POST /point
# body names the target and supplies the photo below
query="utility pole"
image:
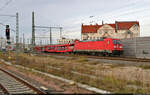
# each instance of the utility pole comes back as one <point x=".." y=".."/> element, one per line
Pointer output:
<point x="20" y="46"/>
<point x="1" y="42"/>
<point x="33" y="31"/>
<point x="50" y="36"/>
<point x="17" y="33"/>
<point x="28" y="41"/>
<point x="60" y="32"/>
<point x="135" y="46"/>
<point x="40" y="42"/>
<point x="23" y="42"/>
<point x="20" y="40"/>
<point x="17" y="37"/>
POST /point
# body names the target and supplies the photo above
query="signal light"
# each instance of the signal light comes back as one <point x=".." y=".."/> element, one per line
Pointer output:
<point x="7" y="32"/>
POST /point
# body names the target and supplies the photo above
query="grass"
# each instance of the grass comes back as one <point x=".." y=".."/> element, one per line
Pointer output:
<point x="82" y="65"/>
<point x="82" y="59"/>
<point x="117" y="65"/>
<point x="144" y="66"/>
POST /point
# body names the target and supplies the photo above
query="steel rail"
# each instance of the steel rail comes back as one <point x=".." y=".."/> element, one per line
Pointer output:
<point x="38" y="91"/>
<point x="3" y="89"/>
<point x="102" y="57"/>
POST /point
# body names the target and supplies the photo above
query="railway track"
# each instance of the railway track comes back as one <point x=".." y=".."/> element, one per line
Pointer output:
<point x="11" y="84"/>
<point x="121" y="58"/>
<point x="102" y="57"/>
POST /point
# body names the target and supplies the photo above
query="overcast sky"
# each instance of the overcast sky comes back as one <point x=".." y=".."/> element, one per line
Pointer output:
<point x="69" y="14"/>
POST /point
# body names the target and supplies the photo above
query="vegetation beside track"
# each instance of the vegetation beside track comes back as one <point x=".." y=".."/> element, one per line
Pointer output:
<point x="112" y="77"/>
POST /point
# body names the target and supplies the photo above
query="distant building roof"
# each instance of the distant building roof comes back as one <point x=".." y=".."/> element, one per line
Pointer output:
<point x="119" y="25"/>
<point x="90" y="28"/>
<point x="126" y="24"/>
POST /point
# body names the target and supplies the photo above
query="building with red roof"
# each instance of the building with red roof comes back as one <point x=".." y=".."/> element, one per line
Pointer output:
<point x="120" y="29"/>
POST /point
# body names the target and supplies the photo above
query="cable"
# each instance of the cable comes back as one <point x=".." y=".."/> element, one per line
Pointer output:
<point x="6" y="4"/>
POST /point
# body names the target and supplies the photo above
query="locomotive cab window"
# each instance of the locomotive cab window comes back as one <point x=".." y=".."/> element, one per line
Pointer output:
<point x="116" y="42"/>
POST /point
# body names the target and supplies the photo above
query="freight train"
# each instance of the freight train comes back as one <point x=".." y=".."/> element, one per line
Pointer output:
<point x="105" y="47"/>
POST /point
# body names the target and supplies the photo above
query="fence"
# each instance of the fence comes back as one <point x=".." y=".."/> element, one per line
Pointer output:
<point x="138" y="47"/>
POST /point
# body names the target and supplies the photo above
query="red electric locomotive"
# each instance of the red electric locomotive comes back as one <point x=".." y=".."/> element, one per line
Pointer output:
<point x="106" y="46"/>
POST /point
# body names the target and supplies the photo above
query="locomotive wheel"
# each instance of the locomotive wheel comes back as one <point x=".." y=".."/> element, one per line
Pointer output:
<point x="109" y="54"/>
<point x="105" y="54"/>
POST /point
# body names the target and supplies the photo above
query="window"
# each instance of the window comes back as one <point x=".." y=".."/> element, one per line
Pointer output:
<point x="111" y="32"/>
<point x="128" y="32"/>
<point x="100" y="32"/>
<point x="135" y="25"/>
<point x="136" y="28"/>
<point x="116" y="42"/>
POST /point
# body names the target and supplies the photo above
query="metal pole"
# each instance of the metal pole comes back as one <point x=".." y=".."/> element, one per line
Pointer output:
<point x="28" y="41"/>
<point x="135" y="46"/>
<point x="40" y="42"/>
<point x="60" y="32"/>
<point x="23" y="43"/>
<point x="33" y="31"/>
<point x="50" y="36"/>
<point x="17" y="37"/>
<point x="1" y="43"/>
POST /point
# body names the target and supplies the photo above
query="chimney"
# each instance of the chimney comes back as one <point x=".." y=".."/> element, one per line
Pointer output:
<point x="116" y="26"/>
<point x="82" y="28"/>
<point x="82" y="24"/>
<point x="102" y="22"/>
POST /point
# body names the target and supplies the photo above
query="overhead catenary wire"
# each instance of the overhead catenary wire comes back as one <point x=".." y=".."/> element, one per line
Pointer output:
<point x="5" y="5"/>
<point x="120" y="12"/>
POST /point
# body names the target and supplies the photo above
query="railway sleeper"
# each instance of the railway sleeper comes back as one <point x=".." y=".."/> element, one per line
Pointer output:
<point x="14" y="85"/>
<point x="18" y="87"/>
<point x="20" y="90"/>
<point x="27" y="92"/>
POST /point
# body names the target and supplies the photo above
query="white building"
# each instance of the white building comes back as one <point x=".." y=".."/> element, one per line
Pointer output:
<point x="3" y="43"/>
<point x="65" y="40"/>
<point x="120" y="29"/>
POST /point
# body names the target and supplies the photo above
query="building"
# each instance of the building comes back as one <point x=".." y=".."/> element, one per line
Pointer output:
<point x="120" y="29"/>
<point x="3" y="43"/>
<point x="65" y="40"/>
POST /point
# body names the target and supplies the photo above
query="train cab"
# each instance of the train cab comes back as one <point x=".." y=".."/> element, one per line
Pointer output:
<point x="114" y="46"/>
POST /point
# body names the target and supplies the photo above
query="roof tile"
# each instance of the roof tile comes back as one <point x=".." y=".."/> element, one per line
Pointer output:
<point x="119" y="25"/>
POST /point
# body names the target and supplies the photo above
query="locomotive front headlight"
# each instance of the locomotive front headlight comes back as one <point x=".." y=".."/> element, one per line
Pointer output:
<point x="115" y="46"/>
<point x="120" y="46"/>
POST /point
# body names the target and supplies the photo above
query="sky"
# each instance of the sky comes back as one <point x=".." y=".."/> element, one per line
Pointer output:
<point x="70" y="14"/>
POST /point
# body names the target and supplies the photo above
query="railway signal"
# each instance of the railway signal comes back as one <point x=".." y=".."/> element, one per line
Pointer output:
<point x="8" y="34"/>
